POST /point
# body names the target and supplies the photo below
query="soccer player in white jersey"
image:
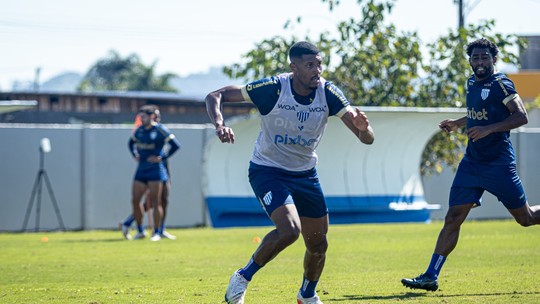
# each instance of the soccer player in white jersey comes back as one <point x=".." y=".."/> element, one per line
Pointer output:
<point x="282" y="170"/>
<point x="493" y="109"/>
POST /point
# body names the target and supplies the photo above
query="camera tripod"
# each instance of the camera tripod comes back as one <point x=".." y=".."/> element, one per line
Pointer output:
<point x="38" y="185"/>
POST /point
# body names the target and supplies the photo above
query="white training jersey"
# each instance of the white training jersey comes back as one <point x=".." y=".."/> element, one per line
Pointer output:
<point x="291" y="132"/>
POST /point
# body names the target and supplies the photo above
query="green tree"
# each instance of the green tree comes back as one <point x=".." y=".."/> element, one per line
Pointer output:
<point x="114" y="73"/>
<point x="377" y="65"/>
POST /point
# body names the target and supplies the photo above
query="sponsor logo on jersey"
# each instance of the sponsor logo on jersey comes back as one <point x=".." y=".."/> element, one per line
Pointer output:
<point x="484" y="94"/>
<point x="317" y="109"/>
<point x="281" y="122"/>
<point x="288" y="107"/>
<point x="143" y="146"/>
<point x="250" y="86"/>
<point x="296" y="140"/>
<point x="474" y="115"/>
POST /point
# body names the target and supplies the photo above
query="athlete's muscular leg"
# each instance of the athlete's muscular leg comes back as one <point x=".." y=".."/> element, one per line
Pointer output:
<point x="526" y="215"/>
<point x="314" y="231"/>
<point x="449" y="235"/>
<point x="137" y="191"/>
<point x="165" y="199"/>
<point x="287" y="231"/>
<point x="155" y="201"/>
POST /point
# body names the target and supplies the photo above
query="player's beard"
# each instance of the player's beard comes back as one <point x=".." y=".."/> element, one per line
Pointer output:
<point x="488" y="71"/>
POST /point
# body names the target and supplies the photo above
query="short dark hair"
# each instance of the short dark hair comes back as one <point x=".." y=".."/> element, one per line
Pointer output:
<point x="149" y="109"/>
<point x="302" y="48"/>
<point x="483" y="43"/>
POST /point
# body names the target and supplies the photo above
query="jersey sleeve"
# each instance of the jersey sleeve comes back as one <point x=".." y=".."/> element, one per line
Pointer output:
<point x="263" y="93"/>
<point x="165" y="132"/>
<point x="337" y="102"/>
<point x="170" y="139"/>
<point x="508" y="90"/>
<point x="131" y="146"/>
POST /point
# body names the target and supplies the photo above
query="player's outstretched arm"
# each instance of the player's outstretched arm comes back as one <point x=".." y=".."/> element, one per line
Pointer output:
<point x="214" y="101"/>
<point x="358" y="122"/>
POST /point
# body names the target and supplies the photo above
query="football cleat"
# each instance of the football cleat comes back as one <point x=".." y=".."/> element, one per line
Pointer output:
<point x="422" y="281"/>
<point x="237" y="289"/>
<point x="125" y="231"/>
<point x="140" y="235"/>
<point x="313" y="300"/>
<point x="156" y="237"/>
<point x="167" y="235"/>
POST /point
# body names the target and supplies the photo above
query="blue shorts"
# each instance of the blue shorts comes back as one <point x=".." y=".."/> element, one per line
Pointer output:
<point x="275" y="187"/>
<point x="151" y="174"/>
<point x="473" y="179"/>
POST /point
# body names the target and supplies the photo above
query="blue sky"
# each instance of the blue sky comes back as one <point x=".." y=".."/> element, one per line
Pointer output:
<point x="188" y="37"/>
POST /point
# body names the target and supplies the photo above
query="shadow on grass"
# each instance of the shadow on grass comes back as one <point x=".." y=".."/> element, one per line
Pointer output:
<point x="411" y="295"/>
<point x="408" y="295"/>
<point x="491" y="294"/>
<point x="94" y="240"/>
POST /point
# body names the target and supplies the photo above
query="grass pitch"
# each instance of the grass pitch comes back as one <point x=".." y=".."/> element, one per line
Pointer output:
<point x="495" y="262"/>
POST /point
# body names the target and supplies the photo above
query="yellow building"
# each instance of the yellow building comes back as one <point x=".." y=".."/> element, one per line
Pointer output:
<point x="527" y="84"/>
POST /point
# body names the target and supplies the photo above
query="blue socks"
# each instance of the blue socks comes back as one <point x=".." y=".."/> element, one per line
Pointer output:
<point x="308" y="288"/>
<point x="434" y="268"/>
<point x="129" y="220"/>
<point x="250" y="269"/>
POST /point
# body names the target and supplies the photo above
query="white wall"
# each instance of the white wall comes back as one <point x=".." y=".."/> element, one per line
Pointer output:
<point x="346" y="166"/>
<point x="91" y="171"/>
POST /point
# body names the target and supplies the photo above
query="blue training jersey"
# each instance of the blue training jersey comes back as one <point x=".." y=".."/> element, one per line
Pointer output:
<point x="486" y="105"/>
<point x="148" y="142"/>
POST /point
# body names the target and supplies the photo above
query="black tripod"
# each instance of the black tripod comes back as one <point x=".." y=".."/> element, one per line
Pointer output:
<point x="42" y="174"/>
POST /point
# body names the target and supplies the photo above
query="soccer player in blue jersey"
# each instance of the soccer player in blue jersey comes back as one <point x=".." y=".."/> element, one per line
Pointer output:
<point x="493" y="109"/>
<point x="147" y="147"/>
<point x="125" y="225"/>
<point x="294" y="109"/>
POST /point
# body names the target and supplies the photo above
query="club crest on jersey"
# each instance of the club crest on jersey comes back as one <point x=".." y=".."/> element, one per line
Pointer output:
<point x="153" y="135"/>
<point x="302" y="116"/>
<point x="484" y="94"/>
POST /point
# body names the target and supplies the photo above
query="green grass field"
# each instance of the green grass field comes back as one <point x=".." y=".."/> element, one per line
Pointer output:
<point x="495" y="262"/>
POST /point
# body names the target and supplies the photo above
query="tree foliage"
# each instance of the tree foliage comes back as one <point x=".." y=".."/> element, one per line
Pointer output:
<point x="377" y="65"/>
<point x="114" y="73"/>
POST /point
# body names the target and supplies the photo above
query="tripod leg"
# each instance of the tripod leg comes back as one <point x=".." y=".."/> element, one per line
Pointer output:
<point x="31" y="201"/>
<point x="53" y="199"/>
<point x="38" y="205"/>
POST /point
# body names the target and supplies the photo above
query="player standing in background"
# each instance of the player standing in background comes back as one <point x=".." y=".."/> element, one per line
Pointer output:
<point x="126" y="224"/>
<point x="147" y="146"/>
<point x="493" y="109"/>
<point x="294" y="109"/>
